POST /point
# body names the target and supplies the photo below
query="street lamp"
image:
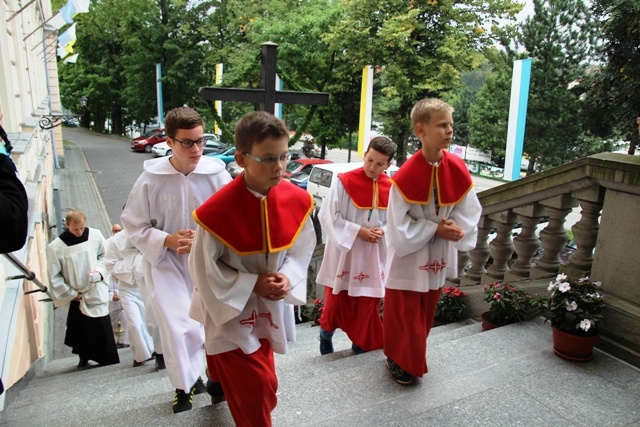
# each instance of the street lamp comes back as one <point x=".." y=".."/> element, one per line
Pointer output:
<point x="52" y="120"/>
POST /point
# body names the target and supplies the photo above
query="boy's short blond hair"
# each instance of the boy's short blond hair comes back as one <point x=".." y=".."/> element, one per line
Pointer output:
<point x="257" y="126"/>
<point x="181" y="118"/>
<point x="424" y="109"/>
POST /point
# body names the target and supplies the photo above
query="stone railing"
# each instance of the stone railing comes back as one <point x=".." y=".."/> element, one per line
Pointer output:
<point x="522" y="237"/>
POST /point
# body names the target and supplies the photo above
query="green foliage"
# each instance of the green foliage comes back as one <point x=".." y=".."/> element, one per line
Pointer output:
<point x="560" y="38"/>
<point x="451" y="305"/>
<point x="611" y="97"/>
<point x="508" y="304"/>
<point x="418" y="48"/>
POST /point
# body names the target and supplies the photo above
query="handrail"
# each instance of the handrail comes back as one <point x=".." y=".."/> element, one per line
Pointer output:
<point x="28" y="275"/>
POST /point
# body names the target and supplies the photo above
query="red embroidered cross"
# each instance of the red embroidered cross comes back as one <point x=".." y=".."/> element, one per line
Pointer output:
<point x="341" y="275"/>
<point x="251" y="320"/>
<point x="360" y="277"/>
<point x="435" y="266"/>
<point x="267" y="315"/>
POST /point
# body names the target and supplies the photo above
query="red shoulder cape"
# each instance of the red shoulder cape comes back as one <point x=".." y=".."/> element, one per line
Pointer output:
<point x="250" y="225"/>
<point x="362" y="189"/>
<point x="415" y="178"/>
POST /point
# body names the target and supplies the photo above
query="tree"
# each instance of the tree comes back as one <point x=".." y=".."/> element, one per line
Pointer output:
<point x="420" y="48"/>
<point x="560" y="38"/>
<point x="612" y="90"/>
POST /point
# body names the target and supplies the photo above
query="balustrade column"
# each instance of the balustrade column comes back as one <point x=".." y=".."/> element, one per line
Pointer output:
<point x="585" y="231"/>
<point x="463" y="260"/>
<point x="554" y="236"/>
<point x="480" y="254"/>
<point x="527" y="242"/>
<point x="501" y="247"/>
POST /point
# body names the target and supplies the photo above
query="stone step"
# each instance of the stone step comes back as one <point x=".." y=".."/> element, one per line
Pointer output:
<point x="469" y="372"/>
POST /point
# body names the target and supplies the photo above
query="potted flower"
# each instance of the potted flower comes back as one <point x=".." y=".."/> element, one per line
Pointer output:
<point x="575" y="309"/>
<point x="507" y="304"/>
<point x="450" y="306"/>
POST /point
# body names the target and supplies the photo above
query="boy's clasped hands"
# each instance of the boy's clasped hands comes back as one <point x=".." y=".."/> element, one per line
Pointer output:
<point x="448" y="230"/>
<point x="180" y="241"/>
<point x="273" y="286"/>
<point x="371" y="235"/>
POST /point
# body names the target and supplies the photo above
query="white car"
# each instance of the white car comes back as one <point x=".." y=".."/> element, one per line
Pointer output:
<point x="161" y="149"/>
<point x="322" y="176"/>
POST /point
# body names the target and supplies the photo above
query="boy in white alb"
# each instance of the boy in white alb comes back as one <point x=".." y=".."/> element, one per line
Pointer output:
<point x="158" y="221"/>
<point x="433" y="213"/>
<point x="354" y="219"/>
<point x="249" y="263"/>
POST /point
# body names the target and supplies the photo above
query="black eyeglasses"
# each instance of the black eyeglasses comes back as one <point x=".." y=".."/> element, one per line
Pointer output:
<point x="187" y="143"/>
<point x="269" y="160"/>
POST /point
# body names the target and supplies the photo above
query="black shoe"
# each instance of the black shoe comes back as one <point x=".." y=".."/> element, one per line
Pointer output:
<point x="83" y="363"/>
<point x="182" y="401"/>
<point x="199" y="387"/>
<point x="356" y="349"/>
<point x="136" y="363"/>
<point x="215" y="391"/>
<point x="160" y="362"/>
<point x="326" y="345"/>
<point x="398" y="374"/>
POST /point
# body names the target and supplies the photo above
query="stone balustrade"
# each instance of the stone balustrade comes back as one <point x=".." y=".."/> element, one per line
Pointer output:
<point x="522" y="236"/>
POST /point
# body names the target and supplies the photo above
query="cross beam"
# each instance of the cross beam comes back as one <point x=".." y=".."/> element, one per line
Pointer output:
<point x="268" y="96"/>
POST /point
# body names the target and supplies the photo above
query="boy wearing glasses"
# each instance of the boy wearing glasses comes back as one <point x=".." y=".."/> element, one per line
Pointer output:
<point x="354" y="218"/>
<point x="249" y="263"/>
<point x="158" y="221"/>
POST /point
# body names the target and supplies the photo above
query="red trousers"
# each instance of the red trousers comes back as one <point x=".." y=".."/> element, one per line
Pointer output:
<point x="249" y="383"/>
<point x="358" y="317"/>
<point x="408" y="317"/>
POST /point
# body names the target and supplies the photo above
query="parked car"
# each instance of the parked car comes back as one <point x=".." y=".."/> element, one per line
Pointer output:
<point x="227" y="156"/>
<point x="297" y="154"/>
<point x="323" y="176"/>
<point x="301" y="179"/>
<point x="303" y="165"/>
<point x="234" y="169"/>
<point x="148" y="140"/>
<point x="161" y="149"/>
<point x="212" y="144"/>
<point x="391" y="170"/>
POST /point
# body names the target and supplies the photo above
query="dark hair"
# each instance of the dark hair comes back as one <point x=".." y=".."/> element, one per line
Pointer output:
<point x="257" y="126"/>
<point x="383" y="145"/>
<point x="181" y="118"/>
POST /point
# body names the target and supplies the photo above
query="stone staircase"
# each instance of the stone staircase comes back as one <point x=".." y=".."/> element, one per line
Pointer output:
<point x="503" y="377"/>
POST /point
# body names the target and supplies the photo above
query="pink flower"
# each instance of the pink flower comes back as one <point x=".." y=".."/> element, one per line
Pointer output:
<point x="497" y="296"/>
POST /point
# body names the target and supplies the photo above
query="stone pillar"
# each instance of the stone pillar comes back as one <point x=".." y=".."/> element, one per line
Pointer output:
<point x="527" y="242"/>
<point x="585" y="231"/>
<point x="480" y="254"/>
<point x="554" y="237"/>
<point x="501" y="247"/>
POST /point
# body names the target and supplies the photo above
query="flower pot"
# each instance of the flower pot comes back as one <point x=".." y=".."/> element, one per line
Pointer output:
<point x="573" y="347"/>
<point x="487" y="324"/>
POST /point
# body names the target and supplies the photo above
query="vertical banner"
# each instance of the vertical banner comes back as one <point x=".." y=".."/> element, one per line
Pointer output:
<point x="366" y="100"/>
<point x="517" y="118"/>
<point x="278" y="107"/>
<point x="159" y="94"/>
<point x="217" y="105"/>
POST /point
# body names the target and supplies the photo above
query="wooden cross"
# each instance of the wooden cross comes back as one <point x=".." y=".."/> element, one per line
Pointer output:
<point x="268" y="96"/>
